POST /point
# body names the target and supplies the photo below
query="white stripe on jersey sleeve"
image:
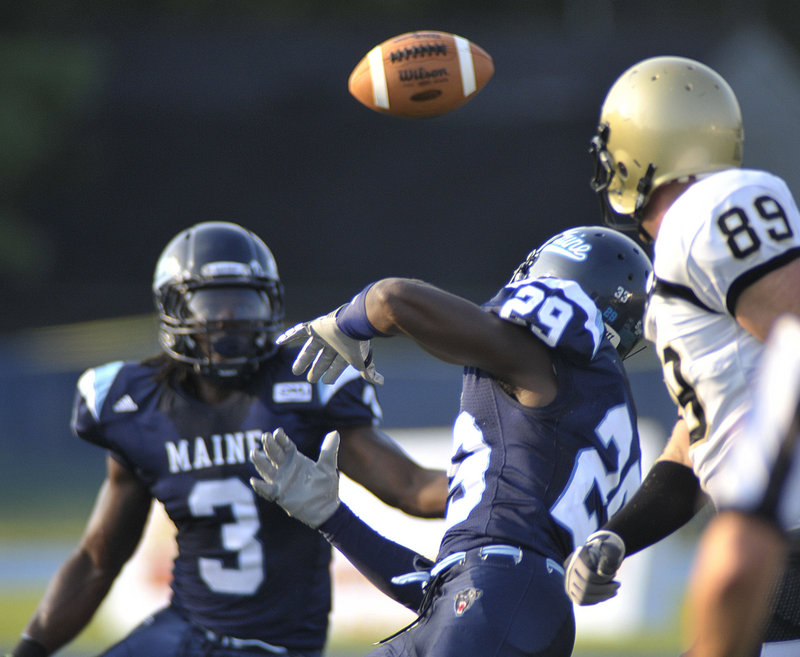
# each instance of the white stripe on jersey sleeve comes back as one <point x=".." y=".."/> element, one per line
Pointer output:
<point x="326" y="390"/>
<point x="350" y="373"/>
<point x="95" y="383"/>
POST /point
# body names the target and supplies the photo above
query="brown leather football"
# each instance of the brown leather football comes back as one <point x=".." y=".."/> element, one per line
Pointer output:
<point x="420" y="74"/>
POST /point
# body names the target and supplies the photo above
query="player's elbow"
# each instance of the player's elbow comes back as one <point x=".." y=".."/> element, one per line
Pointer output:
<point x="425" y="495"/>
<point x="418" y="492"/>
<point x="100" y="563"/>
<point x="392" y="301"/>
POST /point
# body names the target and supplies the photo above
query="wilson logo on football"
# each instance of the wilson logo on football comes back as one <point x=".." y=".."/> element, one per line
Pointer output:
<point x="413" y="75"/>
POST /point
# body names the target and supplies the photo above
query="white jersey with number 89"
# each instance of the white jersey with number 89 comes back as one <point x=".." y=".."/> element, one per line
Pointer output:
<point x="723" y="233"/>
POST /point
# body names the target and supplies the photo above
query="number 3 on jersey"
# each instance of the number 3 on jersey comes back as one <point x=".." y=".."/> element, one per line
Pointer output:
<point x="238" y="537"/>
<point x="468" y="476"/>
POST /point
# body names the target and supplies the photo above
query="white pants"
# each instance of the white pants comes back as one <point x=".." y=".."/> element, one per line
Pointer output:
<point x="781" y="649"/>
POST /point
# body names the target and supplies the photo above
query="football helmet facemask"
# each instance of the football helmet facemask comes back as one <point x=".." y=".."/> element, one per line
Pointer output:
<point x="219" y="301"/>
<point x="664" y="119"/>
<point x="609" y="266"/>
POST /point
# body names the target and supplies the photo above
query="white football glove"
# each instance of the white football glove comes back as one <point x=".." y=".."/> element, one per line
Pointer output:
<point x="327" y="351"/>
<point x="307" y="490"/>
<point x="590" y="570"/>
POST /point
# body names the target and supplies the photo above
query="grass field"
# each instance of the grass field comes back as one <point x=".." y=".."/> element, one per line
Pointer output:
<point x="16" y="607"/>
<point x="47" y="534"/>
<point x="14" y="612"/>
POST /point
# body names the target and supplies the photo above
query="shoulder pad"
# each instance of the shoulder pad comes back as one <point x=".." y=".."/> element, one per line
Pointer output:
<point x="94" y="384"/>
<point x="557" y="311"/>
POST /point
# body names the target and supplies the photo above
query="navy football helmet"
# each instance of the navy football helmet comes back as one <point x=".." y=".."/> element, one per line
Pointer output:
<point x="219" y="300"/>
<point x="610" y="267"/>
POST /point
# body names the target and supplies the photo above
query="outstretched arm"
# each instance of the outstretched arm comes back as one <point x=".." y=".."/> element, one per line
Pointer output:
<point x="447" y="326"/>
<point x="309" y="491"/>
<point x="372" y="459"/>
<point x="382" y="561"/>
<point x="457" y="331"/>
<point x="84" y="579"/>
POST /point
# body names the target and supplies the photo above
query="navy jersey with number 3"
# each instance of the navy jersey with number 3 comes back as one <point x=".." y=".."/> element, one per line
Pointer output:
<point x="544" y="478"/>
<point x="237" y="570"/>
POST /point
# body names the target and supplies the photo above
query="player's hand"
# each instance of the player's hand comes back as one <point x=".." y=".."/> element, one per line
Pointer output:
<point x="307" y="490"/>
<point x="590" y="570"/>
<point x="328" y="350"/>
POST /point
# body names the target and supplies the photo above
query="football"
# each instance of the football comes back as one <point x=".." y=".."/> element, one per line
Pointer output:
<point x="420" y="74"/>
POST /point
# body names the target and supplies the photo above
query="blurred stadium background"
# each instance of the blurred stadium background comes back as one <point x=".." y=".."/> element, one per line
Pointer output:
<point x="123" y="122"/>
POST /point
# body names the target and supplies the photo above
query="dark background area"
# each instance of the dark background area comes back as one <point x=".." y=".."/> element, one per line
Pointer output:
<point x="121" y="123"/>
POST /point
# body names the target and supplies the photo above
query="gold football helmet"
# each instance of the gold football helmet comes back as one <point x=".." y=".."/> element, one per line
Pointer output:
<point x="664" y="119"/>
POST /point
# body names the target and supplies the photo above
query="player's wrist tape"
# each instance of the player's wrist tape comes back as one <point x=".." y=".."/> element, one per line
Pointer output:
<point x="28" y="647"/>
<point x="352" y="318"/>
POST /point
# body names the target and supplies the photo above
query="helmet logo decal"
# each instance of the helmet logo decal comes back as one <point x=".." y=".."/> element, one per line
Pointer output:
<point x="223" y="268"/>
<point x="570" y="246"/>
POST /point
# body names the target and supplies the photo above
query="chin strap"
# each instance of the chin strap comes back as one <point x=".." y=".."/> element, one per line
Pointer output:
<point x="643" y="189"/>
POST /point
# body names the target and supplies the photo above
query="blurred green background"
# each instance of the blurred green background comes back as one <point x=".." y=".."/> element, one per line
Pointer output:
<point x="122" y="122"/>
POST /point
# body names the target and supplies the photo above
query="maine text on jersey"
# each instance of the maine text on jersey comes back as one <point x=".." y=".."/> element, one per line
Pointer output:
<point x="200" y="453"/>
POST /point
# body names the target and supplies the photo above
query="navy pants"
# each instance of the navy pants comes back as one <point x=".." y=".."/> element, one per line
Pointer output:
<point x="168" y="634"/>
<point x="493" y="607"/>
